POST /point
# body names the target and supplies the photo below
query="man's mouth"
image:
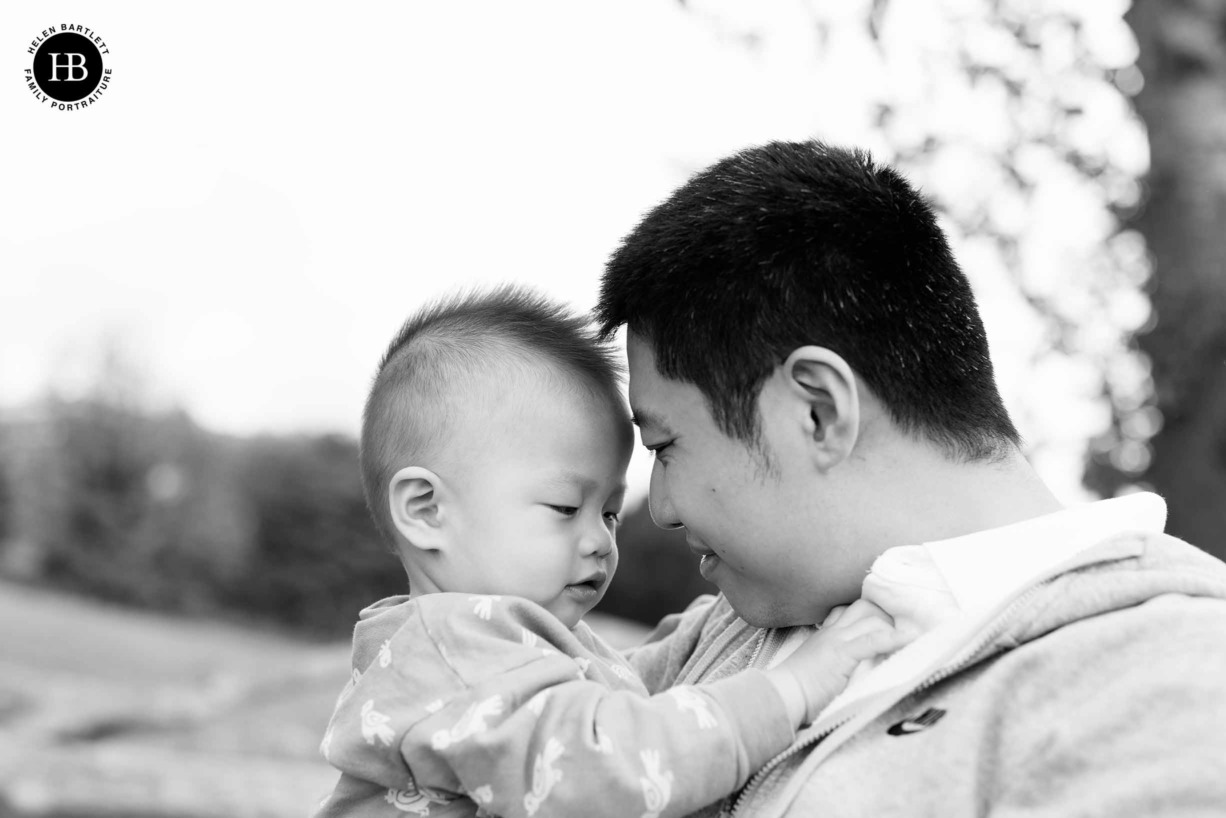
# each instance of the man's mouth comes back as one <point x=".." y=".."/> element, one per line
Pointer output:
<point x="698" y="548"/>
<point x="708" y="561"/>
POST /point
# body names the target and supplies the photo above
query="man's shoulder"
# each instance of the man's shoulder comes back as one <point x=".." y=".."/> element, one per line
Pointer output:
<point x="1154" y="667"/>
<point x="1104" y="691"/>
<point x="1114" y="585"/>
<point x="1166" y="630"/>
<point x="1165" y="552"/>
<point x="1120" y="708"/>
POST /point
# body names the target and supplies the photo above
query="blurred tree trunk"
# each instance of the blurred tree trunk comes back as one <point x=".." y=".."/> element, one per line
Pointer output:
<point x="1183" y="103"/>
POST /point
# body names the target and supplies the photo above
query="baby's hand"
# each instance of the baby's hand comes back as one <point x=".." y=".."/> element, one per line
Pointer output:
<point x="821" y="667"/>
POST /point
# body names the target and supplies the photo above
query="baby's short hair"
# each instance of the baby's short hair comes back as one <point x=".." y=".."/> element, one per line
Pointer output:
<point x="459" y="347"/>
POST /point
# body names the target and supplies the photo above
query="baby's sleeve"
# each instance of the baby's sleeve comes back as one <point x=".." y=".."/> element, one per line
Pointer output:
<point x="357" y="798"/>
<point x="526" y="732"/>
<point x="664" y="652"/>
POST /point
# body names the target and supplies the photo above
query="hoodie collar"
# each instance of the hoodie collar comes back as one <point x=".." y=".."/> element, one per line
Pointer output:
<point x="942" y="592"/>
<point x="982" y="568"/>
<point x="925" y="586"/>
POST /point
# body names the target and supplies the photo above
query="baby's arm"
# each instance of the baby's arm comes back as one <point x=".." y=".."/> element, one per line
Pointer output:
<point x="575" y="747"/>
<point x="478" y="696"/>
<point x="664" y="652"/>
<point x="538" y="738"/>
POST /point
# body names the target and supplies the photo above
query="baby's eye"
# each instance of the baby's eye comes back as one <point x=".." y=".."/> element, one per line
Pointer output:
<point x="566" y="511"/>
<point x="613" y="516"/>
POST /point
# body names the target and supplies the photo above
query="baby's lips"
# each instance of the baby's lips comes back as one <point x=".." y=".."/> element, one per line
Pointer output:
<point x="596" y="578"/>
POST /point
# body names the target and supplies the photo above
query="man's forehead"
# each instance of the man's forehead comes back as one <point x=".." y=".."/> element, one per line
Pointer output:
<point x="651" y="394"/>
<point x="641" y="361"/>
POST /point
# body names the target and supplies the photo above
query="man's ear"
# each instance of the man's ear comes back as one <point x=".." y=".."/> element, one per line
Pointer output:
<point x="415" y="498"/>
<point x="826" y="386"/>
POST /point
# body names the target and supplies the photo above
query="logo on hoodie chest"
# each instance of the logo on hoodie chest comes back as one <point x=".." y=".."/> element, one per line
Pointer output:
<point x="916" y="724"/>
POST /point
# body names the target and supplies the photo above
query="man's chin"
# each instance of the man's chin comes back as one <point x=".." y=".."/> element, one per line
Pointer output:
<point x="762" y="610"/>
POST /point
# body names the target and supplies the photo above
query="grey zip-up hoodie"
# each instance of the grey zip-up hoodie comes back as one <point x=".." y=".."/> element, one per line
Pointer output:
<point x="1097" y="688"/>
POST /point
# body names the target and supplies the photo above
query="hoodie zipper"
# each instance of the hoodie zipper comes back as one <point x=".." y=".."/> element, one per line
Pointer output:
<point x="712" y="655"/>
<point x="763" y="639"/>
<point x="965" y="658"/>
<point x="765" y="636"/>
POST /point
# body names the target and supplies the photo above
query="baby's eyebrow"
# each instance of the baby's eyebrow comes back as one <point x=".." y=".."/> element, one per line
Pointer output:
<point x="574" y="478"/>
<point x="569" y="477"/>
<point x="585" y="484"/>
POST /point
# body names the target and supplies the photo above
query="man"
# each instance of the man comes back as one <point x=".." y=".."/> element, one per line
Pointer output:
<point x="809" y="367"/>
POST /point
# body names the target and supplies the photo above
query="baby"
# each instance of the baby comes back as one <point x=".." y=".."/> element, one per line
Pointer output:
<point x="494" y="450"/>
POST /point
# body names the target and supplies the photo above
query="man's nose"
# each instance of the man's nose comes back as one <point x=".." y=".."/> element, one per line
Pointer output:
<point x="660" y="503"/>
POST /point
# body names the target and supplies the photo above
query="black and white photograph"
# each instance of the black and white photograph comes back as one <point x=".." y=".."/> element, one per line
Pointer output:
<point x="663" y="408"/>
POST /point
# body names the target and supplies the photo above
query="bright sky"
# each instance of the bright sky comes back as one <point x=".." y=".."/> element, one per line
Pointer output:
<point x="266" y="190"/>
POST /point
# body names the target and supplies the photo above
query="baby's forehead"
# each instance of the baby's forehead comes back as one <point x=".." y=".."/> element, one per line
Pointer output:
<point x="545" y="379"/>
<point x="526" y="389"/>
<point x="597" y="395"/>
<point x="549" y="434"/>
<point x="552" y="390"/>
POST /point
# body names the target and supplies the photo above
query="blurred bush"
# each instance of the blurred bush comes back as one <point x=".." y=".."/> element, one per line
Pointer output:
<point x="315" y="558"/>
<point x="102" y="498"/>
<point x="153" y="511"/>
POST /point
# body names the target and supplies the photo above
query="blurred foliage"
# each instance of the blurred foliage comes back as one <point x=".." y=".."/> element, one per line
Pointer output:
<point x="316" y="558"/>
<point x="104" y="499"/>
<point x="1074" y="151"/>
<point x="1177" y="445"/>
<point x="1015" y="118"/>
<point x="153" y="511"/>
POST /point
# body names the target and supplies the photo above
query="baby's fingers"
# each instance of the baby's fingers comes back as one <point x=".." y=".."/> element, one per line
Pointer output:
<point x="862" y="610"/>
<point x="834" y="616"/>
<point x="875" y="640"/>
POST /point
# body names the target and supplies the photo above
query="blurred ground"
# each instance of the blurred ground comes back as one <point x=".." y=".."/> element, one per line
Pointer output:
<point x="106" y="711"/>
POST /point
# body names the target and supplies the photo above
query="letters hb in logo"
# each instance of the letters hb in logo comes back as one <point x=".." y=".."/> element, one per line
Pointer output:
<point x="67" y="66"/>
<point x="73" y="63"/>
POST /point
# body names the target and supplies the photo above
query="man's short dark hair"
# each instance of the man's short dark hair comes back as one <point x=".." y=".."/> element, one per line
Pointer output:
<point x="457" y="351"/>
<point x="799" y="243"/>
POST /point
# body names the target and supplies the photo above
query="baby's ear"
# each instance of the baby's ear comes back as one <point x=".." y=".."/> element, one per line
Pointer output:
<point x="413" y="497"/>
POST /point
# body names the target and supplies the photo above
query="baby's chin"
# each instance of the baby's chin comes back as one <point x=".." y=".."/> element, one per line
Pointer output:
<point x="569" y="618"/>
<point x="574" y="603"/>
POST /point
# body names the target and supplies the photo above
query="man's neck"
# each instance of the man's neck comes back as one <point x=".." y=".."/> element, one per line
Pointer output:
<point x="934" y="499"/>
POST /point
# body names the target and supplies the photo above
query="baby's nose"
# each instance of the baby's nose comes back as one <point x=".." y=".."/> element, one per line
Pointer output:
<point x="597" y="540"/>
